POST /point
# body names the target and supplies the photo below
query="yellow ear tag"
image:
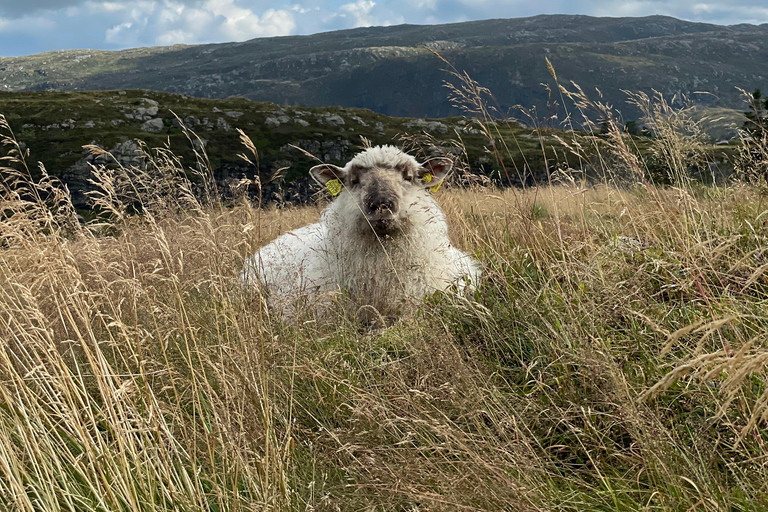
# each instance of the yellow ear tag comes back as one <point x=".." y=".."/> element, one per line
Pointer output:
<point x="427" y="178"/>
<point x="333" y="187"/>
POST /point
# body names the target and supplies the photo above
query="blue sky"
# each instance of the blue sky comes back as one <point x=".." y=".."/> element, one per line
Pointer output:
<point x="34" y="26"/>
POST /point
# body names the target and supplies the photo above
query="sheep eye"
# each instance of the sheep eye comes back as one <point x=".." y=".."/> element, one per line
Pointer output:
<point x="354" y="181"/>
<point x="408" y="178"/>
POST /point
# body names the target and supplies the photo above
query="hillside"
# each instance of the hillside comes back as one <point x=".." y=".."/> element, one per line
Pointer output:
<point x="390" y="70"/>
<point x="55" y="127"/>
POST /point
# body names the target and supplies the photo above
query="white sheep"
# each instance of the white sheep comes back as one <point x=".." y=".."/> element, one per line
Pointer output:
<point x="383" y="240"/>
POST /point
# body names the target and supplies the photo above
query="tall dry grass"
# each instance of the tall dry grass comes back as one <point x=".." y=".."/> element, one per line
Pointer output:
<point x="614" y="358"/>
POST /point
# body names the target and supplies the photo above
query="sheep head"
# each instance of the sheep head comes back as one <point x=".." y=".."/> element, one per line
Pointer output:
<point x="380" y="184"/>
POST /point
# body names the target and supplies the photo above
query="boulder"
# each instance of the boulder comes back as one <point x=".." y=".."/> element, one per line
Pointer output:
<point x="153" y="125"/>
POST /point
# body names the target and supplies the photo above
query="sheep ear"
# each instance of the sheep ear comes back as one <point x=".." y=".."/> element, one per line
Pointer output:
<point x="434" y="171"/>
<point x="324" y="173"/>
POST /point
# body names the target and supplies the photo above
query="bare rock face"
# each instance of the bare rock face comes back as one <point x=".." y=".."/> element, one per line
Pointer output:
<point x="430" y="126"/>
<point x="332" y="120"/>
<point x="155" y="125"/>
<point x="272" y="122"/>
<point x="149" y="108"/>
<point x="277" y="119"/>
<point x="127" y="154"/>
<point x="222" y="124"/>
<point x="329" y="150"/>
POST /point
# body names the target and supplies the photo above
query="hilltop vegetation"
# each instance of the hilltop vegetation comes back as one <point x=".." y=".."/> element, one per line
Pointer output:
<point x="390" y="70"/>
<point x="54" y="127"/>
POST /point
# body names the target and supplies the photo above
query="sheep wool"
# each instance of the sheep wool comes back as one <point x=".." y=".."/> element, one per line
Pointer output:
<point x="383" y="240"/>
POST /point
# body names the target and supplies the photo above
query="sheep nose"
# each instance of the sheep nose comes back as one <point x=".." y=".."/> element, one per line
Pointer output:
<point x="381" y="207"/>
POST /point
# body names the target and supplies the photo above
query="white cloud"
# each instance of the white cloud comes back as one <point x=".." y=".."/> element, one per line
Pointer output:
<point x="174" y="37"/>
<point x="303" y="10"/>
<point x="112" y="6"/>
<point x="117" y="34"/>
<point x="430" y="5"/>
<point x="360" y="12"/>
<point x="171" y="22"/>
<point x="702" y="9"/>
<point x="243" y="23"/>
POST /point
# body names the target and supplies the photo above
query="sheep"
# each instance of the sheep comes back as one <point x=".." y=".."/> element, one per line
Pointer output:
<point x="383" y="240"/>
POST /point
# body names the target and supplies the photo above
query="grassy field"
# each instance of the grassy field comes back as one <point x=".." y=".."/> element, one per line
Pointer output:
<point x="613" y="358"/>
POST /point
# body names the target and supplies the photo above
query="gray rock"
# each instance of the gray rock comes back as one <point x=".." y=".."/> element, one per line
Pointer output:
<point x="332" y="120"/>
<point x="301" y="122"/>
<point x="153" y="125"/>
<point x="428" y="126"/>
<point x="328" y="151"/>
<point x="89" y="124"/>
<point x="222" y="124"/>
<point x="148" y="110"/>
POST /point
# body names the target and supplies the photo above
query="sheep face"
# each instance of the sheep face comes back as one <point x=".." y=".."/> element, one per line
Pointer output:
<point x="380" y="184"/>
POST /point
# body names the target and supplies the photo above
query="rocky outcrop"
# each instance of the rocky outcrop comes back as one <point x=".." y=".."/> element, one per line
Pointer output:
<point x="153" y="125"/>
<point x="227" y="176"/>
<point x="77" y="177"/>
<point x="288" y="140"/>
<point x="429" y="126"/>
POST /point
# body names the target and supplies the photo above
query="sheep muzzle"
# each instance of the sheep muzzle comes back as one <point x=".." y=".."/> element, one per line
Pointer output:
<point x="381" y="202"/>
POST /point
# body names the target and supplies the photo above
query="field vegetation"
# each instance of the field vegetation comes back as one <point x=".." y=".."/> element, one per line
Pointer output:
<point x="613" y="358"/>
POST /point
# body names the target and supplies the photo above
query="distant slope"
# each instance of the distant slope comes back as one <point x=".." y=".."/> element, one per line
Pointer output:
<point x="389" y="70"/>
<point x="55" y="125"/>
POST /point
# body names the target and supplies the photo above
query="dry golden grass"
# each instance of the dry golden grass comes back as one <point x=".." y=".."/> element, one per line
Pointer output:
<point x="614" y="358"/>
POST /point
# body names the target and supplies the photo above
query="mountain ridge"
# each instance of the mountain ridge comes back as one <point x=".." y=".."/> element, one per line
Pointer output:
<point x="391" y="70"/>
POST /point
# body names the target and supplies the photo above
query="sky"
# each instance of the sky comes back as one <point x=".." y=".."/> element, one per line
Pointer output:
<point x="34" y="26"/>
